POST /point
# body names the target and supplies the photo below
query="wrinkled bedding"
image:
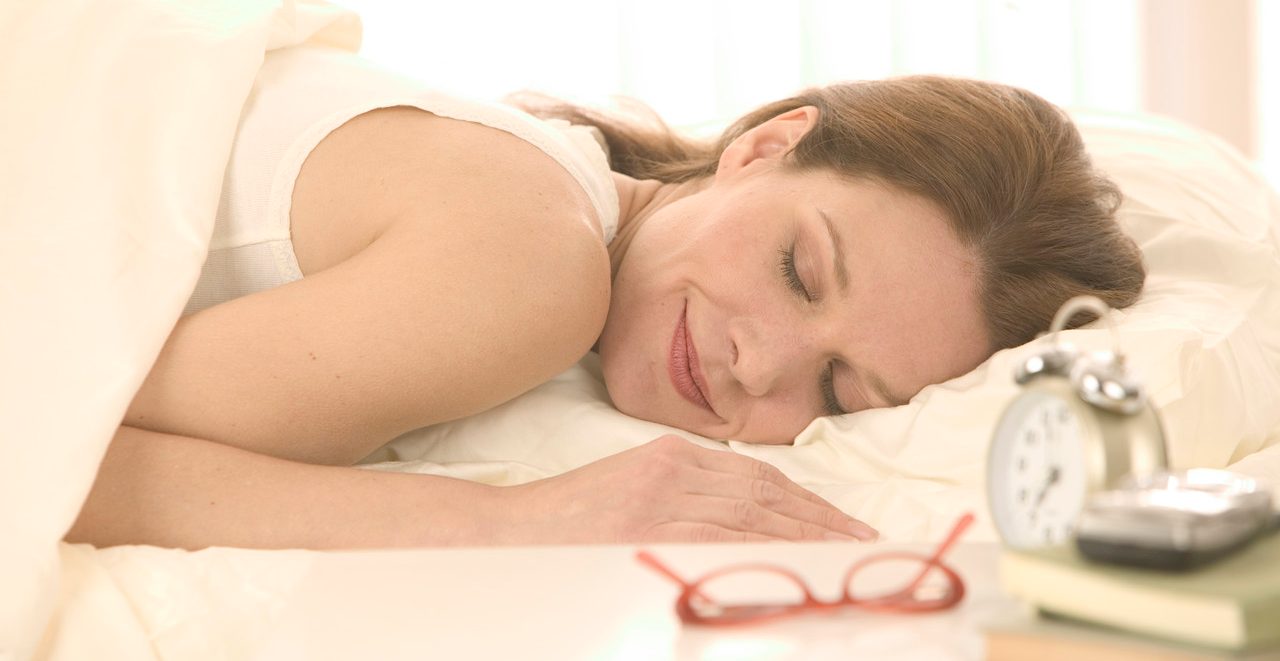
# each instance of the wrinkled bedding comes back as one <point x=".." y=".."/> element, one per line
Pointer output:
<point x="116" y="126"/>
<point x="117" y="122"/>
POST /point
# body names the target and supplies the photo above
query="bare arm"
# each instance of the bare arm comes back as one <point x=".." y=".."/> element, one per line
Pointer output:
<point x="177" y="491"/>
<point x="481" y="282"/>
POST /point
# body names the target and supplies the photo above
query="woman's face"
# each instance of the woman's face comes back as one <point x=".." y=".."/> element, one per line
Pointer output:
<point x="772" y="297"/>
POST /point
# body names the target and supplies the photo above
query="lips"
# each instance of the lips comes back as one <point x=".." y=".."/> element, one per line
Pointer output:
<point x="683" y="367"/>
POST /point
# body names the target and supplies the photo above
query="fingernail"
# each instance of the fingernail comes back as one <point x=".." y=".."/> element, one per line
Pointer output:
<point x="863" y="531"/>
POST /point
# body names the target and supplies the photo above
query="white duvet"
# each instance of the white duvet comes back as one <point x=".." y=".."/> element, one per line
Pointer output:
<point x="116" y="123"/>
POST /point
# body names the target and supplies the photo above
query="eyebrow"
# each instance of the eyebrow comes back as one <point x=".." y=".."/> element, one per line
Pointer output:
<point x="837" y="246"/>
<point x="842" y="279"/>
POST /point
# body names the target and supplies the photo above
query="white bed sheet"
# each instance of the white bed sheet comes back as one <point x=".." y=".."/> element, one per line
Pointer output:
<point x="116" y="126"/>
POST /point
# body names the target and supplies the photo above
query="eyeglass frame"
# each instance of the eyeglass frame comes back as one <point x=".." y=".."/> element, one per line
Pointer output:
<point x="901" y="601"/>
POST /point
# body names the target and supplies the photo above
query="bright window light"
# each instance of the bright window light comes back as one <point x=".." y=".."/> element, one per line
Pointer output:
<point x="706" y="62"/>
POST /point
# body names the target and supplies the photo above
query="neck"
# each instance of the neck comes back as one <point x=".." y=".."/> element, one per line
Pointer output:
<point x="638" y="200"/>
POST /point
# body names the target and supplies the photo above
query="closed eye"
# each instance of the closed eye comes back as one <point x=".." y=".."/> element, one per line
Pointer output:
<point x="830" y="402"/>
<point x="789" y="273"/>
<point x="826" y="384"/>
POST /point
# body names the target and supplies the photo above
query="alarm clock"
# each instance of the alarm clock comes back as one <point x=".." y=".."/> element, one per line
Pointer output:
<point x="1079" y="425"/>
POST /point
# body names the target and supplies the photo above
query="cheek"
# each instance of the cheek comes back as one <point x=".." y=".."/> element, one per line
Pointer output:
<point x="776" y="421"/>
<point x="739" y="267"/>
<point x="631" y="343"/>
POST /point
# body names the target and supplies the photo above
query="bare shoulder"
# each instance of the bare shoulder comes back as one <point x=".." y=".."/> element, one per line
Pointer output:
<point x="463" y="201"/>
<point x="451" y="268"/>
<point x="397" y="164"/>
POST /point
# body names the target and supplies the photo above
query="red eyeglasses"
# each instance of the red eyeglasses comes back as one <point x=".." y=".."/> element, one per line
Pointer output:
<point x="743" y="594"/>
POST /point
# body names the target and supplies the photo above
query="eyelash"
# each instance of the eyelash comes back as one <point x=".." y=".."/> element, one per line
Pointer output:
<point x="829" y="400"/>
<point x="791" y="275"/>
<point x="827" y="383"/>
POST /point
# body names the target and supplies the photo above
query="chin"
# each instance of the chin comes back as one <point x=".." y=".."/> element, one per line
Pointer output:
<point x="629" y="397"/>
<point x="626" y="399"/>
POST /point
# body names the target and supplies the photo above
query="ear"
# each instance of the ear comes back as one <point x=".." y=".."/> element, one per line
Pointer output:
<point x="769" y="141"/>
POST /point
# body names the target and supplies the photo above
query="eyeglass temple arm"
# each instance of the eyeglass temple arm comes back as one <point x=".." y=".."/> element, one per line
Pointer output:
<point x="956" y="530"/>
<point x="646" y="558"/>
<point x="935" y="559"/>
<point x="652" y="562"/>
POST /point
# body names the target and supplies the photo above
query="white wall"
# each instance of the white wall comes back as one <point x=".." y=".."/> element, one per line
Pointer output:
<point x="1200" y="66"/>
<point x="701" y="63"/>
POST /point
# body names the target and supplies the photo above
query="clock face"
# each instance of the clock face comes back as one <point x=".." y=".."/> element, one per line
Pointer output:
<point x="1036" y="477"/>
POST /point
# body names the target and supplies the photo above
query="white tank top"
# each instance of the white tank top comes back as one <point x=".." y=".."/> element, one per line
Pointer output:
<point x="299" y="97"/>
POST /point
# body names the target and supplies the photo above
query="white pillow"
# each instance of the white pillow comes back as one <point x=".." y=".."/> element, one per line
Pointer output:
<point x="1205" y="337"/>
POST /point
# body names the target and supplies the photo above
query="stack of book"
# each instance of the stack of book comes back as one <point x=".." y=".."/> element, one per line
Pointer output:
<point x="1228" y="609"/>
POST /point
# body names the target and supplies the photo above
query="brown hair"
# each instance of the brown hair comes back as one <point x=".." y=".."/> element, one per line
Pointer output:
<point x="1008" y="168"/>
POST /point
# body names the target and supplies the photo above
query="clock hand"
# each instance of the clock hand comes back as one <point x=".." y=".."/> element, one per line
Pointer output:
<point x="1054" y="475"/>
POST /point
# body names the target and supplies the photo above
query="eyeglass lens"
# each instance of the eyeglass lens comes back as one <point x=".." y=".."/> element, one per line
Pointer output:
<point x="746" y="593"/>
<point x="899" y="578"/>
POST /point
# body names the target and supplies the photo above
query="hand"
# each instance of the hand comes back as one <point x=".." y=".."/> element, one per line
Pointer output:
<point x="670" y="490"/>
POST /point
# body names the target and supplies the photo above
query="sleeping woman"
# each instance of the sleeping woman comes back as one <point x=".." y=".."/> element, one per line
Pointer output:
<point x="387" y="258"/>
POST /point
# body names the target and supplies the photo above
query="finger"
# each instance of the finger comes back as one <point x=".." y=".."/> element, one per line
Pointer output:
<point x="732" y="462"/>
<point x="775" y="498"/>
<point x="681" y="532"/>
<point x="749" y="517"/>
<point x="758" y="471"/>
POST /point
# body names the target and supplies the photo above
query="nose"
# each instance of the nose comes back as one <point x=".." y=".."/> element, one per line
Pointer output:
<point x="762" y="354"/>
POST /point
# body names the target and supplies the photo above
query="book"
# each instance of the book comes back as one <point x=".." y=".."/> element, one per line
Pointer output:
<point x="1231" y="605"/>
<point x="1049" y="638"/>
